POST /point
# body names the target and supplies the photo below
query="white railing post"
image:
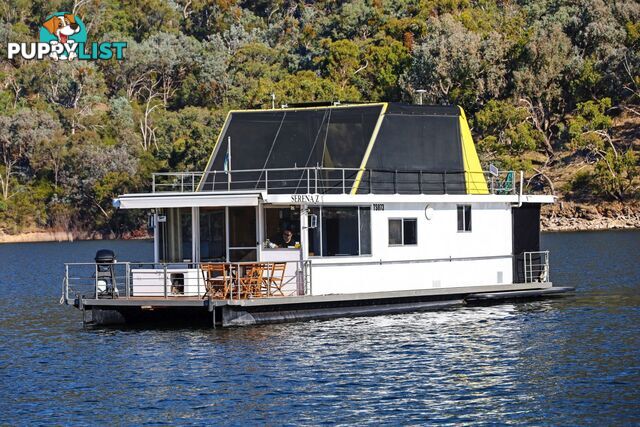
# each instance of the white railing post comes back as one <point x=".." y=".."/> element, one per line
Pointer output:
<point x="344" y="190"/>
<point x="165" y="281"/>
<point x="127" y="281"/>
<point x="96" y="276"/>
<point x="65" y="291"/>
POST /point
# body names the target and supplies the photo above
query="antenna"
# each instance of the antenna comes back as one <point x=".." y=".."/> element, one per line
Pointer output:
<point x="420" y="92"/>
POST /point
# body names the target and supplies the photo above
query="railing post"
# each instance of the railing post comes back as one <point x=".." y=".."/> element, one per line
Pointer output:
<point x="395" y="182"/>
<point x="316" y="178"/>
<point x="198" y="273"/>
<point x="344" y="189"/>
<point x="165" y="281"/>
<point x="153" y="183"/>
<point x="65" y="291"/>
<point x="96" y="276"/>
<point x="444" y="182"/>
<point x="127" y="281"/>
<point x="308" y="181"/>
<point x="266" y="180"/>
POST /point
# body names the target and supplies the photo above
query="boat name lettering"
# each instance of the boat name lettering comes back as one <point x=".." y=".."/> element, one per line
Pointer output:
<point x="308" y="198"/>
<point x="378" y="206"/>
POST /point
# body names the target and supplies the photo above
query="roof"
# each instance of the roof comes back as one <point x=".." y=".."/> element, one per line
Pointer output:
<point x="380" y="137"/>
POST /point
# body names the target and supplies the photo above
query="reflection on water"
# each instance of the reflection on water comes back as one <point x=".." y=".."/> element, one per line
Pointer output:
<point x="573" y="361"/>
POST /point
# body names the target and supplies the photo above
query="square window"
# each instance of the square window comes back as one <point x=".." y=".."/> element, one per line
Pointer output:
<point x="403" y="231"/>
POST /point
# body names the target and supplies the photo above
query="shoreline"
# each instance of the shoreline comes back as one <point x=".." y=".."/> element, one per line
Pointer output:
<point x="43" y="236"/>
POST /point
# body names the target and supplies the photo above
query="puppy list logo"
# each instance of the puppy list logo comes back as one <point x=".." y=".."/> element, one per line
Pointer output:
<point x="64" y="36"/>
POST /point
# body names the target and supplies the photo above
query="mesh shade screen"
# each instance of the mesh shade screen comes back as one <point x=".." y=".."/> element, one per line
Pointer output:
<point x="409" y="143"/>
<point x="328" y="137"/>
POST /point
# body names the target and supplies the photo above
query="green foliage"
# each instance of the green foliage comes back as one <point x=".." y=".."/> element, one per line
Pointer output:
<point x="533" y="77"/>
<point x="589" y="126"/>
<point x="616" y="175"/>
<point x="505" y="130"/>
<point x="581" y="183"/>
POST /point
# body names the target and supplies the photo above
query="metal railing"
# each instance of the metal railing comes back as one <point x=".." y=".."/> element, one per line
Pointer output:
<point x="175" y="182"/>
<point x="536" y="267"/>
<point x="138" y="280"/>
<point x="320" y="180"/>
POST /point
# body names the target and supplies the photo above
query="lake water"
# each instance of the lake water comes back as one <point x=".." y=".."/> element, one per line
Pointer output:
<point x="574" y="360"/>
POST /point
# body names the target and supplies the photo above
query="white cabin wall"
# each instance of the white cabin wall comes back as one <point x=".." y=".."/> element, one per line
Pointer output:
<point x="427" y="264"/>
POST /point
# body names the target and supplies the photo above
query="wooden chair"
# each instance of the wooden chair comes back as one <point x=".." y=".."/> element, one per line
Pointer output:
<point x="217" y="280"/>
<point x="276" y="278"/>
<point x="251" y="282"/>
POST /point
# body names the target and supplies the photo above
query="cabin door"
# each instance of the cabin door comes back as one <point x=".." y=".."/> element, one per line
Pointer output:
<point x="213" y="235"/>
<point x="526" y="236"/>
<point x="242" y="231"/>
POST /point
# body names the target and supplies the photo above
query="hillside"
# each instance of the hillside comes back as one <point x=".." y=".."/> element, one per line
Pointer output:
<point x="551" y="87"/>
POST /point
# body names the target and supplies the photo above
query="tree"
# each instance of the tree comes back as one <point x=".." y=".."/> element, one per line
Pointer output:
<point x="616" y="170"/>
<point x="456" y="65"/>
<point x="546" y="65"/>
<point x="19" y="134"/>
<point x="504" y="129"/>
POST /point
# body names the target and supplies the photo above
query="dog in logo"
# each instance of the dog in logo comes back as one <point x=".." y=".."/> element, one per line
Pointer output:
<point x="62" y="27"/>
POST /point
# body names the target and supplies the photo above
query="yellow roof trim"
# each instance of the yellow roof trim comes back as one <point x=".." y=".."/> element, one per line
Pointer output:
<point x="367" y="153"/>
<point x="474" y="176"/>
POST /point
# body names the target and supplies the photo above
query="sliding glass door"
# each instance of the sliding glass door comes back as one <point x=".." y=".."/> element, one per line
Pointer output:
<point x="242" y="234"/>
<point x="213" y="235"/>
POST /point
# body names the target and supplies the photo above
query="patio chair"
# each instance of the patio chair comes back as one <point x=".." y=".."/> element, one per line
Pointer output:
<point x="276" y="278"/>
<point x="217" y="280"/>
<point x="251" y="282"/>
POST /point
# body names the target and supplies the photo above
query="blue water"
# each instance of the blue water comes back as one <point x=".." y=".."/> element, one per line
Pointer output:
<point x="570" y="361"/>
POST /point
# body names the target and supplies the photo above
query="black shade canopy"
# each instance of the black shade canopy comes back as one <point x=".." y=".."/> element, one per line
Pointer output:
<point x="404" y="149"/>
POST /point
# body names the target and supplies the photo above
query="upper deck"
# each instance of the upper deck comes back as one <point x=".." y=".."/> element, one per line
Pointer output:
<point x="328" y="186"/>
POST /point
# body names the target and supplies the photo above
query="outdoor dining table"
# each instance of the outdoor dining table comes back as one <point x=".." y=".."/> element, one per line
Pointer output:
<point x="238" y="272"/>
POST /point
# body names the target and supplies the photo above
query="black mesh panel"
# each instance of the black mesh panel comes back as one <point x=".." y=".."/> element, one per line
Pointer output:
<point x="411" y="141"/>
<point x="328" y="137"/>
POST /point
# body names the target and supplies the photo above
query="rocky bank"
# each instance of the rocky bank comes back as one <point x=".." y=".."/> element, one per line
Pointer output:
<point x="571" y="216"/>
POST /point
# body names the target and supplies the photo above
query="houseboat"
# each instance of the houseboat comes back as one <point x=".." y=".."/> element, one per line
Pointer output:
<point x="325" y="210"/>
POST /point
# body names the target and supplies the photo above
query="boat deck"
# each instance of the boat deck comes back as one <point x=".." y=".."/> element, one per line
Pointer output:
<point x="282" y="309"/>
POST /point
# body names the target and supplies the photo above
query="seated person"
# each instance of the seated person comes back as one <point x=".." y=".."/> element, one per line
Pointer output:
<point x="286" y="240"/>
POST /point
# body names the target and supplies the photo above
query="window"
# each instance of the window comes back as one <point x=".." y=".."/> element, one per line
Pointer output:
<point x="403" y="231"/>
<point x="242" y="233"/>
<point x="280" y="223"/>
<point x="212" y="234"/>
<point x="175" y="235"/>
<point x="464" y="218"/>
<point x="341" y="231"/>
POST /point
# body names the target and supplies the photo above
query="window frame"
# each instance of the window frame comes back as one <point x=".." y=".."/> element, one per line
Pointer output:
<point x="464" y="218"/>
<point x="320" y="229"/>
<point x="402" y="221"/>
